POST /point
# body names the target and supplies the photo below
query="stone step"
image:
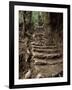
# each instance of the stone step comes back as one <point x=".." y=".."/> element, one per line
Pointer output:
<point x="59" y="74"/>
<point x="49" y="62"/>
<point x="40" y="34"/>
<point x="44" y="47"/>
<point x="38" y="44"/>
<point x="47" y="56"/>
<point x="49" y="70"/>
<point x="45" y="50"/>
<point x="40" y="27"/>
<point x="46" y="59"/>
<point x="41" y="37"/>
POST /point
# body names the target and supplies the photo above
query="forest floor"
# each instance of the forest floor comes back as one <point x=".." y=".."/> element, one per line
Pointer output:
<point x="40" y="57"/>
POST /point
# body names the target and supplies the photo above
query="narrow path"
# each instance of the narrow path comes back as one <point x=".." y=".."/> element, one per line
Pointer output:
<point x="47" y="59"/>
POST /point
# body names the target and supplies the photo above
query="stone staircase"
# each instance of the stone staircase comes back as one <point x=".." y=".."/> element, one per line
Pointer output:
<point x="47" y="58"/>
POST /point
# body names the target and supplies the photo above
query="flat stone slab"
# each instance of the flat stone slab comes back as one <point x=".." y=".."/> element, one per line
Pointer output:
<point x="44" y="47"/>
<point x="47" y="55"/>
<point x="49" y="62"/>
<point x="49" y="70"/>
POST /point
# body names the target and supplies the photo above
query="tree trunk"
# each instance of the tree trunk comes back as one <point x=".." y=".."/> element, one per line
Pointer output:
<point x="24" y="23"/>
<point x="46" y="20"/>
